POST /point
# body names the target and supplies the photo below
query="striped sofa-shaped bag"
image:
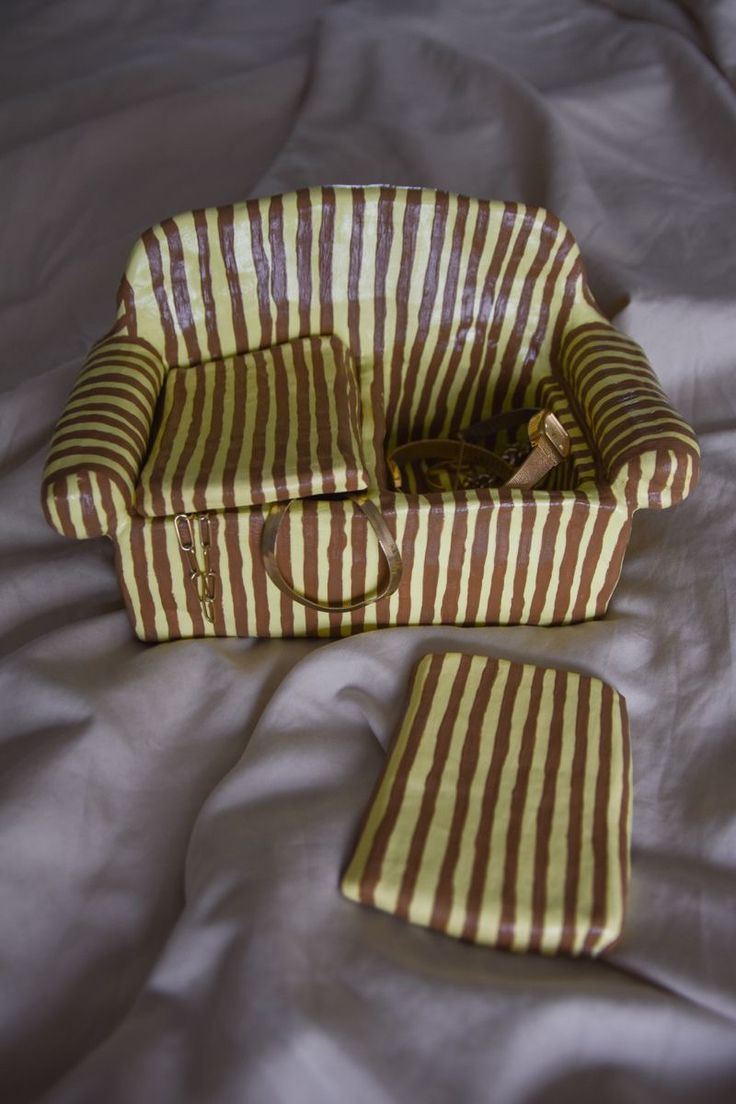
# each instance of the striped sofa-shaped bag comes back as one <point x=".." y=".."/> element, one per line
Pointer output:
<point x="233" y="428"/>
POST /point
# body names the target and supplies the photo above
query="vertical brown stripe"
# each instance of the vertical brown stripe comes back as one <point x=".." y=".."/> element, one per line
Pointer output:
<point x="141" y="568"/>
<point x="303" y="426"/>
<point x="412" y="379"/>
<point x="600" y="823"/>
<point x="478" y="555"/>
<point x="384" y="241"/>
<point x="238" y="375"/>
<point x="335" y="560"/>
<point x="236" y="578"/>
<point x="443" y="898"/>
<point x="260" y="263"/>
<point x="623" y="827"/>
<point x="226" y="228"/>
<point x="456" y="560"/>
<point x="431" y="559"/>
<point x="401" y="303"/>
<point x="503" y="373"/>
<point x="535" y="343"/>
<point x="326" y="240"/>
<point x="311" y="558"/>
<point x="155" y="264"/>
<point x="162" y="569"/>
<point x="575" y="820"/>
<point x="480" y="342"/>
<point x="87" y="503"/>
<point x="517" y="812"/>
<point x="263" y="412"/>
<point x="279" y="287"/>
<point x="324" y="429"/>
<point x="431" y="788"/>
<point x="482" y="844"/>
<point x="545" y="563"/>
<point x="546" y="811"/>
<point x="192" y="433"/>
<point x="253" y="520"/>
<point x="182" y="302"/>
<point x="569" y="560"/>
<point x="282" y="428"/>
<point x="127" y="297"/>
<point x="374" y="862"/>
<point x="529" y="507"/>
<point x="214" y="434"/>
<point x="304" y="258"/>
<point x="205" y="279"/>
<point x="448" y="313"/>
<point x="408" y="559"/>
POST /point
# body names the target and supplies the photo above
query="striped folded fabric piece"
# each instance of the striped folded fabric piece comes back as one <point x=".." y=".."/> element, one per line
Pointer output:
<point x="503" y="815"/>
<point x="267" y="426"/>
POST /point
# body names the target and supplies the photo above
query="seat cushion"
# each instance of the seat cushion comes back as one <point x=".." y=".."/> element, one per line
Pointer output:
<point x="271" y="425"/>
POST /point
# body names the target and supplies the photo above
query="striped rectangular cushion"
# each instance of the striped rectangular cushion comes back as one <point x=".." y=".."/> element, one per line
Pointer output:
<point x="503" y="813"/>
<point x="274" y="424"/>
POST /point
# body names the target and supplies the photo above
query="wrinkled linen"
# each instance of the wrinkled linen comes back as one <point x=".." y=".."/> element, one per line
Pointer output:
<point x="175" y="818"/>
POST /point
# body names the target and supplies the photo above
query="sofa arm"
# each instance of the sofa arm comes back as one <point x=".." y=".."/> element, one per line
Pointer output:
<point x="102" y="438"/>
<point x="646" y="449"/>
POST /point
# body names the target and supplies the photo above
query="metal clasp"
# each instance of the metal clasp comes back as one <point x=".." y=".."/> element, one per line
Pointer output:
<point x="195" y="541"/>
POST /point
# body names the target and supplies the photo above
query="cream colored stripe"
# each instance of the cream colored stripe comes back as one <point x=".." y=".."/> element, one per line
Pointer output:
<point x="491" y="905"/>
<point x="524" y="886"/>
<point x="587" y="857"/>
<point x="554" y="914"/>
<point x="422" y="902"/>
<point x="377" y="809"/>
<point x="397" y="850"/>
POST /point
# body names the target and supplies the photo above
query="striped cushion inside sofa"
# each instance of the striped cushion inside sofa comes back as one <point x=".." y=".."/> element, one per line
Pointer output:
<point x="274" y="424"/>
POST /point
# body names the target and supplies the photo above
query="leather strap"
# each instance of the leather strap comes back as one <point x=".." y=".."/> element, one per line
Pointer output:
<point x="549" y="440"/>
<point x="386" y="543"/>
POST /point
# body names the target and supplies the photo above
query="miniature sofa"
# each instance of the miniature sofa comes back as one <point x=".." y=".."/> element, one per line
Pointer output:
<point x="421" y="312"/>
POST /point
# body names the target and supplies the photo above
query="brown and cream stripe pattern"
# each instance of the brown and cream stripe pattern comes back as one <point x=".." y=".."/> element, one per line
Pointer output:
<point x="416" y="286"/>
<point x="101" y="439"/>
<point x="503" y="813"/>
<point x="272" y="425"/>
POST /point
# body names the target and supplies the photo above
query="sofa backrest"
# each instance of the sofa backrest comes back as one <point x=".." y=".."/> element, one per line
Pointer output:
<point x="449" y="305"/>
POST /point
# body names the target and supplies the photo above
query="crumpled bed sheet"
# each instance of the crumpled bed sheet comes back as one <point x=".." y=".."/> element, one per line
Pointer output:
<point x="174" y="819"/>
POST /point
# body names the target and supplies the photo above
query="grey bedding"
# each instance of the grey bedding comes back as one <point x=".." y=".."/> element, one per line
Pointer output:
<point x="174" y="819"/>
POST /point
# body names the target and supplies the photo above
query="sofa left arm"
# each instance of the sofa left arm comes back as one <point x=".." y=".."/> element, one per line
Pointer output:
<point x="102" y="438"/>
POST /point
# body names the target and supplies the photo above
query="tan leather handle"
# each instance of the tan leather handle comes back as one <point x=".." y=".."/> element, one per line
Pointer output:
<point x="386" y="543"/>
